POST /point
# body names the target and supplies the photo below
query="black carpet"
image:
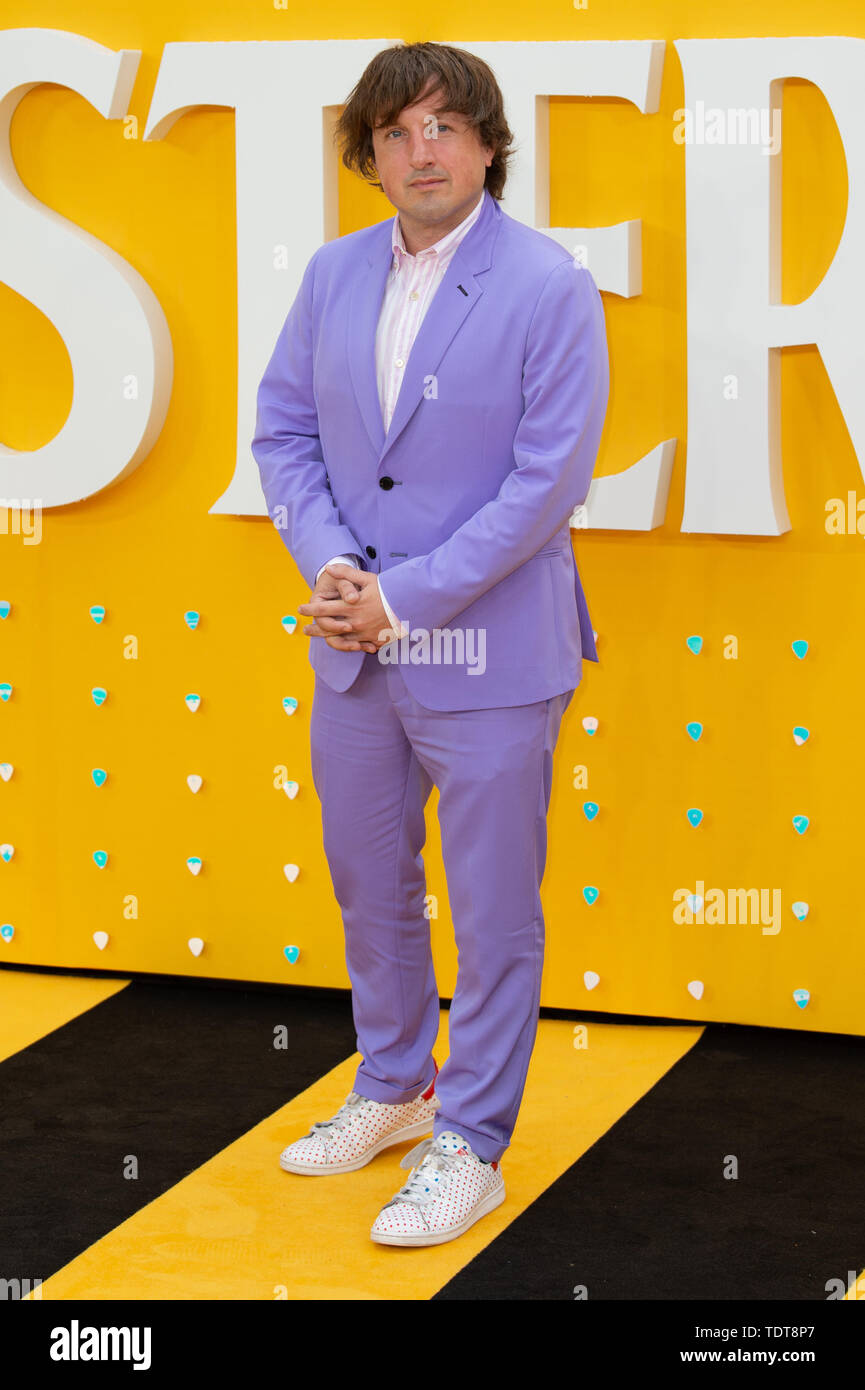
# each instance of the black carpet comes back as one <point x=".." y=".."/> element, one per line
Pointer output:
<point x="647" y="1213"/>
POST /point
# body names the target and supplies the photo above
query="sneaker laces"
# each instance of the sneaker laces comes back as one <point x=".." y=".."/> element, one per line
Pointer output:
<point x="346" y="1112"/>
<point x="432" y="1174"/>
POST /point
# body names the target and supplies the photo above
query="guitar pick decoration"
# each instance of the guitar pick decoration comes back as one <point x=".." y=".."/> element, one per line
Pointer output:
<point x="590" y="894"/>
<point x="99" y="775"/>
<point x="289" y="623"/>
<point x="800" y="824"/>
<point x="7" y="931"/>
<point x="800" y="911"/>
<point x="97" y="613"/>
<point x="800" y="647"/>
<point x="193" y="864"/>
<point x="291" y="953"/>
<point x="590" y="724"/>
<point x="196" y="945"/>
<point x="695" y="815"/>
<point x="101" y="939"/>
<point x="695" y="988"/>
<point x="695" y="730"/>
<point x="801" y="997"/>
<point x="695" y="645"/>
<point x="191" y="619"/>
<point x="291" y="789"/>
<point x="6" y="852"/>
<point x="6" y="770"/>
<point x="591" y="978"/>
<point x="5" y="690"/>
<point x="291" y="872"/>
<point x="194" y="782"/>
<point x="289" y="704"/>
<point x="800" y="735"/>
<point x="590" y="809"/>
<point x="694" y="902"/>
<point x="192" y="702"/>
<point x="100" y="858"/>
<point x="100" y="695"/>
<point x="5" y="608"/>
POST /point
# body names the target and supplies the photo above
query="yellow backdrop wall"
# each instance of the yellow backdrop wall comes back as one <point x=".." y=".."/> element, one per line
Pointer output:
<point x="148" y="551"/>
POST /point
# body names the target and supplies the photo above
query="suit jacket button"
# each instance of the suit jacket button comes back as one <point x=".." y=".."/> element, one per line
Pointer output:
<point x="370" y="550"/>
<point x="386" y="483"/>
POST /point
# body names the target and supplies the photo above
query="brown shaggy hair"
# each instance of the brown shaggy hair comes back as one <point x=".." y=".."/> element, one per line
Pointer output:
<point x="397" y="76"/>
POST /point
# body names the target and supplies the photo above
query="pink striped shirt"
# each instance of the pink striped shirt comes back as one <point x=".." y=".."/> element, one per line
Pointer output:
<point x="408" y="293"/>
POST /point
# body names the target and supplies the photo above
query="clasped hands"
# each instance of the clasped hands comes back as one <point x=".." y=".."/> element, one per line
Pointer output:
<point x="347" y="610"/>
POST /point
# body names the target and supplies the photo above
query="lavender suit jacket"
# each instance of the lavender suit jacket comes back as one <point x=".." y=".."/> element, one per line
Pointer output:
<point x="464" y="504"/>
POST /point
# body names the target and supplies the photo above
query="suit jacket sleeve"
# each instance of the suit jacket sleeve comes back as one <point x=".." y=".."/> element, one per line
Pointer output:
<point x="565" y="391"/>
<point x="287" y="448"/>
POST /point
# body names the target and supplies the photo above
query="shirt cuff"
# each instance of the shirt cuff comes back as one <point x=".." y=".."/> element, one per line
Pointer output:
<point x="340" y="559"/>
<point x="400" y="628"/>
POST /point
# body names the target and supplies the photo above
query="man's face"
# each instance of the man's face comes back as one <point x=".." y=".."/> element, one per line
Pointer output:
<point x="431" y="165"/>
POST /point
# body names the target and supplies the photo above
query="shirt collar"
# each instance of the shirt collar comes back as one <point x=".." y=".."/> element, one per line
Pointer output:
<point x="439" y="247"/>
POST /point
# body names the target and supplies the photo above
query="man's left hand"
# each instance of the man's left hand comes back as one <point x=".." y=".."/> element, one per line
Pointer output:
<point x="369" y="629"/>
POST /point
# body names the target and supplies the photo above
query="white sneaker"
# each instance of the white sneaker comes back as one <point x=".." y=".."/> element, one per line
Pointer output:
<point x="448" y="1191"/>
<point x="359" y="1130"/>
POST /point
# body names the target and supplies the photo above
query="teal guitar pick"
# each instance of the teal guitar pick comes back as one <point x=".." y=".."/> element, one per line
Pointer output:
<point x="5" y="690"/>
<point x="694" y="730"/>
<point x="590" y="809"/>
<point x="800" y="735"/>
<point x="100" y="858"/>
<point x="7" y="931"/>
<point x="800" y="647"/>
<point x="289" y="623"/>
<point x="695" y="816"/>
<point x="800" y="911"/>
<point x="694" y="902"/>
<point x="5" y="608"/>
<point x="99" y="774"/>
<point x="289" y="704"/>
<point x="590" y="894"/>
<point x="100" y="694"/>
<point x="801" y="996"/>
<point x="291" y="953"/>
<point x="97" y="613"/>
<point x="800" y="824"/>
<point x="6" y="853"/>
<point x="695" y="645"/>
<point x="191" y="619"/>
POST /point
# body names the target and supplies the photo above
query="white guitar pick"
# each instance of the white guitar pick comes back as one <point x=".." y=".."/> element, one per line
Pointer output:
<point x="291" y="872"/>
<point x="196" y="945"/>
<point x="590" y="724"/>
<point x="291" y="789"/>
<point x="695" y="987"/>
<point x="193" y="864"/>
<point x="591" y="978"/>
<point x="193" y="782"/>
<point x="6" y="852"/>
<point x="6" y="771"/>
<point x="101" y="939"/>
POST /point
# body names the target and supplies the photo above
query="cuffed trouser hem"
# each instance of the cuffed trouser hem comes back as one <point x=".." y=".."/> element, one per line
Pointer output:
<point x="482" y="1146"/>
<point x="387" y="1094"/>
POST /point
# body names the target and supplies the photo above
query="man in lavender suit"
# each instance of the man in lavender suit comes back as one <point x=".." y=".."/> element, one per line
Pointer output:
<point x="427" y="423"/>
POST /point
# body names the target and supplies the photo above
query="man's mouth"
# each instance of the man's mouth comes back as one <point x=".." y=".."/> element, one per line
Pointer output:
<point x="426" y="183"/>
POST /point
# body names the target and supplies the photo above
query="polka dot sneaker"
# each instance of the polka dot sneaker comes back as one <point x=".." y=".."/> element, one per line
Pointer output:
<point x="446" y="1193"/>
<point x="359" y="1130"/>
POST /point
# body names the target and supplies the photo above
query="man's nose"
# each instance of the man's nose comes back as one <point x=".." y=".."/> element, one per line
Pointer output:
<point x="422" y="151"/>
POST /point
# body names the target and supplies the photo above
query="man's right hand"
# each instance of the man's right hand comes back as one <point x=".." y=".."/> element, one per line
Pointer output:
<point x="329" y="587"/>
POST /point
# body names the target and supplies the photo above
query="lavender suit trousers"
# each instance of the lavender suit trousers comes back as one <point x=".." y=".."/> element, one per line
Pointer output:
<point x="376" y="754"/>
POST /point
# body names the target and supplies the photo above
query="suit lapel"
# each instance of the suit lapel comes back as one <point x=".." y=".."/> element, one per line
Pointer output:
<point x="443" y="318"/>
